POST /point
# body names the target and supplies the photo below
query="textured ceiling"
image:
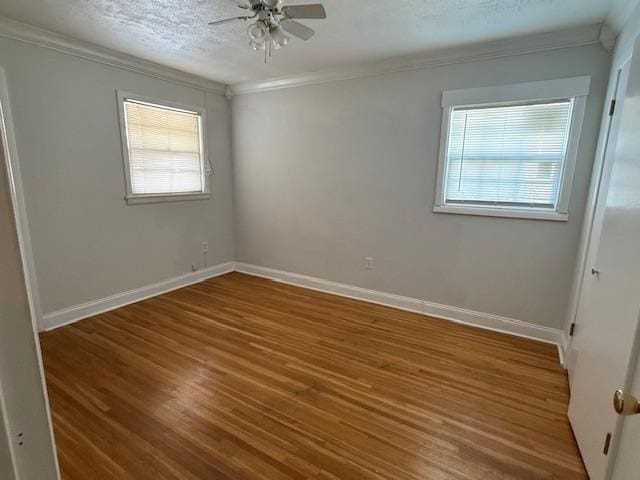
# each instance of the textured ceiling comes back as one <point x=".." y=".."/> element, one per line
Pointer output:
<point x="175" y="32"/>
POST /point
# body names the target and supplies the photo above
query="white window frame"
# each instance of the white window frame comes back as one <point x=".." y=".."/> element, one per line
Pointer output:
<point x="575" y="89"/>
<point x="135" y="199"/>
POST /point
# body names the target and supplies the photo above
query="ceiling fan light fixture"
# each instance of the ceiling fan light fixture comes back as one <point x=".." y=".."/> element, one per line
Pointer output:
<point x="258" y="31"/>
<point x="279" y="39"/>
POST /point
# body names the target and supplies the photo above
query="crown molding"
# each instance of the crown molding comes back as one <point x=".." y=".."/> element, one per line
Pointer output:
<point x="44" y="38"/>
<point x="586" y="35"/>
<point x="608" y="38"/>
<point x="574" y="37"/>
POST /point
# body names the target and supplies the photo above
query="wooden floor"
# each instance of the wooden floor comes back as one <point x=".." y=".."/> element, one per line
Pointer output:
<point x="242" y="378"/>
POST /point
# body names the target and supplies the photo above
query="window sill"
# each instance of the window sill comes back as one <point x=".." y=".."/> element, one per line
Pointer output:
<point x="503" y="212"/>
<point x="142" y="199"/>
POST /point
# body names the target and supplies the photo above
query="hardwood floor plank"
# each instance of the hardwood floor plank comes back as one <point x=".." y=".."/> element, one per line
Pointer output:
<point x="243" y="378"/>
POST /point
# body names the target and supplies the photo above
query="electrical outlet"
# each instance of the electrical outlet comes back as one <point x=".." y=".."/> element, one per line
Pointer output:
<point x="205" y="247"/>
<point x="193" y="268"/>
<point x="368" y="263"/>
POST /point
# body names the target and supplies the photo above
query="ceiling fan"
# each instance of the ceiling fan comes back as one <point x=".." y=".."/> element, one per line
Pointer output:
<point x="274" y="21"/>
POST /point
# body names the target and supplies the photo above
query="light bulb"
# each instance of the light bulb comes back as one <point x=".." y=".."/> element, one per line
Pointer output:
<point x="279" y="38"/>
<point x="258" y="31"/>
<point x="257" y="46"/>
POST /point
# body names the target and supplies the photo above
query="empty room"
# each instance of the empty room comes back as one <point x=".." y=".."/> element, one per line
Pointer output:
<point x="319" y="240"/>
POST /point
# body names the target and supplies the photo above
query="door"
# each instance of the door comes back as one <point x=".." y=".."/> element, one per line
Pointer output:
<point x="606" y="340"/>
<point x="596" y="225"/>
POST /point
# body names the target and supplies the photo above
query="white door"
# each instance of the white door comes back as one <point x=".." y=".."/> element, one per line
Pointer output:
<point x="606" y="337"/>
<point x="596" y="227"/>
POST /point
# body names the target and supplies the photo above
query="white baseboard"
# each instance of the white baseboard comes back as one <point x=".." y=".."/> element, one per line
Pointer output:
<point x="563" y="346"/>
<point x="73" y="314"/>
<point x="456" y="314"/>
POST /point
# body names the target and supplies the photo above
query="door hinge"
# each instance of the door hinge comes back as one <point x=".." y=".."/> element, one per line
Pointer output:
<point x="612" y="107"/>
<point x="572" y="329"/>
<point x="607" y="444"/>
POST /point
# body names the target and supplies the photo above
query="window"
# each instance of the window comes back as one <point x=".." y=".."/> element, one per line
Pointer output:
<point x="510" y="151"/>
<point x="163" y="148"/>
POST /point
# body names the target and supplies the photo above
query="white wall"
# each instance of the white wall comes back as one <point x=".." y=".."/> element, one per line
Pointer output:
<point x="87" y="243"/>
<point x="326" y="175"/>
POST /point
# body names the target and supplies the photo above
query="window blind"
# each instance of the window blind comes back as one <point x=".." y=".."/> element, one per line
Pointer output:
<point x="507" y="155"/>
<point x="164" y="147"/>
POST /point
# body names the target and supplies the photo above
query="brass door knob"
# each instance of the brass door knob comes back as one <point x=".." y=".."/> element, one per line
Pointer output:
<point x="625" y="404"/>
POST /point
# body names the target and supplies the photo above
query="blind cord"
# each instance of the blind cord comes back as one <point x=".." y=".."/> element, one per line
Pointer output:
<point x="208" y="166"/>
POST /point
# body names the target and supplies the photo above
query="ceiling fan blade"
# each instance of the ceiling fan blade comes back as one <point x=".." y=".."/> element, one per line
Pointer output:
<point x="242" y="4"/>
<point x="228" y="20"/>
<point x="297" y="29"/>
<point x="315" y="10"/>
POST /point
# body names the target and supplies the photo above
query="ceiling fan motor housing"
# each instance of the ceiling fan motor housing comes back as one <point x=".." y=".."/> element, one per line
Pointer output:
<point x="272" y="3"/>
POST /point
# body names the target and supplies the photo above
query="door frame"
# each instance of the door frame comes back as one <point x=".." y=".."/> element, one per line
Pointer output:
<point x="20" y="209"/>
<point x="7" y="132"/>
